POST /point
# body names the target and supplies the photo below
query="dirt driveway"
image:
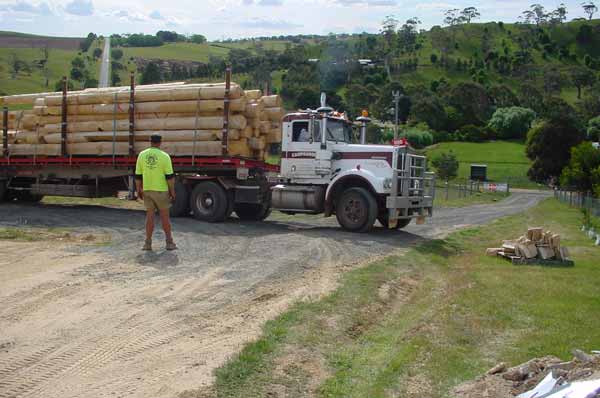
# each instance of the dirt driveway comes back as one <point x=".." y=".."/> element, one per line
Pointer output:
<point x="87" y="320"/>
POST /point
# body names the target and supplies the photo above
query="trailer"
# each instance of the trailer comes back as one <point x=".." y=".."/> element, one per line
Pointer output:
<point x="323" y="171"/>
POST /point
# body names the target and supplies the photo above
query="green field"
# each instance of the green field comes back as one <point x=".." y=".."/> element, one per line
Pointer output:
<point x="177" y="51"/>
<point x="59" y="63"/>
<point x="506" y="160"/>
<point x="420" y="323"/>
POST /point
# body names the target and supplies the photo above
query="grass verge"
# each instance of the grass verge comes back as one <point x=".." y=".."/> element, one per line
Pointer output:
<point x="454" y="200"/>
<point x="418" y="323"/>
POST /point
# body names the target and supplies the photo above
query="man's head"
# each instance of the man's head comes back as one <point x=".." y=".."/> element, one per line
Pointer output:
<point x="155" y="140"/>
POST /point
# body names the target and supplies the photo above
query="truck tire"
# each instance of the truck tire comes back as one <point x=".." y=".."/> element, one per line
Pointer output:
<point x="3" y="191"/>
<point x="209" y="202"/>
<point x="402" y="223"/>
<point x="356" y="210"/>
<point x="253" y="212"/>
<point x="181" y="206"/>
<point x="27" y="197"/>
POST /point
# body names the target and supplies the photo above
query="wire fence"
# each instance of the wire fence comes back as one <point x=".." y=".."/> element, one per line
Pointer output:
<point x="459" y="189"/>
<point x="580" y="200"/>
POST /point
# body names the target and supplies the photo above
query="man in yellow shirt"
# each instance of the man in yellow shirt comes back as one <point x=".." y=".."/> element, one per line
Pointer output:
<point x="155" y="182"/>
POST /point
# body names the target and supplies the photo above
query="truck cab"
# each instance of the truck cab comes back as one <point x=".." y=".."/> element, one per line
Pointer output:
<point x="324" y="171"/>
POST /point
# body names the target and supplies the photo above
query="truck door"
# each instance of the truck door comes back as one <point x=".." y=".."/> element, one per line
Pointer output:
<point x="301" y="145"/>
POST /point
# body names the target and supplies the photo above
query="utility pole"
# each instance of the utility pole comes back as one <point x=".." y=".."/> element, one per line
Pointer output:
<point x="396" y="95"/>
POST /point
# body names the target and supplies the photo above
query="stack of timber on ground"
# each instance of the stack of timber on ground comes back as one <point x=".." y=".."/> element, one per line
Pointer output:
<point x="537" y="246"/>
<point x="189" y="117"/>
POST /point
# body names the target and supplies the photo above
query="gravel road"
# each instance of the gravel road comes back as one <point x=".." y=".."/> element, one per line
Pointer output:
<point x="82" y="319"/>
<point x="105" y="67"/>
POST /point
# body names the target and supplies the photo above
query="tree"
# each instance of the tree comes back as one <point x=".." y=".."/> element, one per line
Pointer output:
<point x="446" y="165"/>
<point x="585" y="34"/>
<point x="531" y="97"/>
<point x="151" y="74"/>
<point x="502" y="96"/>
<point x="430" y="110"/>
<point x="473" y="103"/>
<point x="76" y="74"/>
<point x="97" y="53"/>
<point x="511" y="123"/>
<point x="536" y="13"/>
<point x="549" y="143"/>
<point x="198" y="39"/>
<point x="78" y="62"/>
<point x="583" y="171"/>
<point x="582" y="77"/>
<point x="385" y="102"/>
<point x="407" y="35"/>
<point x="593" y="130"/>
<point x="559" y="15"/>
<point x="16" y="65"/>
<point x="358" y="97"/>
<point x="116" y="54"/>
<point x="469" y="13"/>
<point x="590" y="9"/>
<point x="452" y="17"/>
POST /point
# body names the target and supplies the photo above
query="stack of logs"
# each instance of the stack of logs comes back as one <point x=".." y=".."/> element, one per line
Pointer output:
<point x="537" y="244"/>
<point x="190" y="118"/>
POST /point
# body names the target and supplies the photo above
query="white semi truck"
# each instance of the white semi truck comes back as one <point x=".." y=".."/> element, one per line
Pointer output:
<point x="322" y="171"/>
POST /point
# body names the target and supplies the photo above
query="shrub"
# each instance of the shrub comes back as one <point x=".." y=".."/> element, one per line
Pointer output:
<point x="418" y="136"/>
<point x="441" y="136"/>
<point x="583" y="170"/>
<point x="446" y="165"/>
<point x="472" y="133"/>
<point x="593" y="130"/>
<point x="513" y="122"/>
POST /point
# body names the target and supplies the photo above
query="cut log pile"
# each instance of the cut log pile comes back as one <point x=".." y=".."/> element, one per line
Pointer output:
<point x="536" y="244"/>
<point x="190" y="118"/>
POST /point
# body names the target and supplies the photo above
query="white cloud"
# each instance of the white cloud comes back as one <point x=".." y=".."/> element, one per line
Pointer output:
<point x="269" y="24"/>
<point x="30" y="8"/>
<point x="80" y="7"/>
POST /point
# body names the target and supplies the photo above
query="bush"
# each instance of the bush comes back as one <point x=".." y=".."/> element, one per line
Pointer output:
<point x="593" y="130"/>
<point x="441" y="136"/>
<point x="418" y="136"/>
<point x="583" y="170"/>
<point x="472" y="133"/>
<point x="512" y="123"/>
<point x="446" y="165"/>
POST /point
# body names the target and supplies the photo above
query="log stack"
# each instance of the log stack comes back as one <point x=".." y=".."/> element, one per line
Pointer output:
<point x="190" y="118"/>
<point x="536" y="246"/>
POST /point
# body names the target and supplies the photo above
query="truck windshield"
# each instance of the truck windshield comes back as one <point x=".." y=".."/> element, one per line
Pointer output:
<point x="337" y="131"/>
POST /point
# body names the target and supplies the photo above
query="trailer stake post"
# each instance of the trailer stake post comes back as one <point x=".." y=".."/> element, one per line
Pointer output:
<point x="132" y="117"/>
<point x="64" y="120"/>
<point x="132" y="189"/>
<point x="225" y="135"/>
<point x="5" y="131"/>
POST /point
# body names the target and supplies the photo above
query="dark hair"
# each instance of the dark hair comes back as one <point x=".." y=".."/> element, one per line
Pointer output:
<point x="155" y="138"/>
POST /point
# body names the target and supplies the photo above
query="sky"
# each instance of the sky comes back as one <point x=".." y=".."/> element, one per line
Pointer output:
<point x="224" y="19"/>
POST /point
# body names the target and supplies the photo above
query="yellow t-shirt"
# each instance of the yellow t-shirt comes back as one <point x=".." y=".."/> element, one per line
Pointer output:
<point x="153" y="165"/>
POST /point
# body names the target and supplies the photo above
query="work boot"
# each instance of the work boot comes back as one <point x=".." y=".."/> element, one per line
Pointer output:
<point x="147" y="245"/>
<point x="171" y="245"/>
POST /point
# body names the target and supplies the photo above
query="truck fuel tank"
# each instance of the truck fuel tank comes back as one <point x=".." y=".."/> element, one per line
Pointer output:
<point x="299" y="198"/>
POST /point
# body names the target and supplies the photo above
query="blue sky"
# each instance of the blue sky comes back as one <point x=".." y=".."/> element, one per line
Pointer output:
<point x="221" y="19"/>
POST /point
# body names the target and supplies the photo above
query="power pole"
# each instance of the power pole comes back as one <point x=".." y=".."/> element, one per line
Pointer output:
<point x="396" y="95"/>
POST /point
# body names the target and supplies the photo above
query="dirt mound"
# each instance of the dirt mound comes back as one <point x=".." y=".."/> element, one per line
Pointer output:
<point x="503" y="382"/>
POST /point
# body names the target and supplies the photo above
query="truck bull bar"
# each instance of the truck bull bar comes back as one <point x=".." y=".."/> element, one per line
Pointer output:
<point x="412" y="191"/>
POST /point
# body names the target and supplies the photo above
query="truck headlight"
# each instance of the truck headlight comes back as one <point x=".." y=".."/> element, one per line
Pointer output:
<point x="387" y="183"/>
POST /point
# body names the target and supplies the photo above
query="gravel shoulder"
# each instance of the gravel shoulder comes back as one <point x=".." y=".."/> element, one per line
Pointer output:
<point x="95" y="320"/>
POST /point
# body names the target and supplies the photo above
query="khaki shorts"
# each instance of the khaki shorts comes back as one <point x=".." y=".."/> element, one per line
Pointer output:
<point x="154" y="200"/>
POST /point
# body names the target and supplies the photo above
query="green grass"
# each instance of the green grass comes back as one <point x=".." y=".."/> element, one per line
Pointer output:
<point x="108" y="202"/>
<point x="506" y="160"/>
<point x="428" y="320"/>
<point x="59" y="64"/>
<point x="176" y="51"/>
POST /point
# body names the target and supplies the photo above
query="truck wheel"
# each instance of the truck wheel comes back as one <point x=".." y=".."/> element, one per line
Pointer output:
<point x="356" y="210"/>
<point x="181" y="206"/>
<point x="3" y="191"/>
<point x="28" y="197"/>
<point x="209" y="202"/>
<point x="402" y="223"/>
<point x="252" y="212"/>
